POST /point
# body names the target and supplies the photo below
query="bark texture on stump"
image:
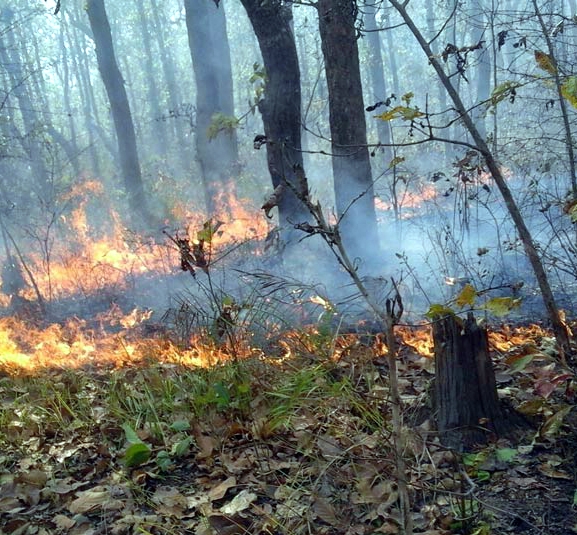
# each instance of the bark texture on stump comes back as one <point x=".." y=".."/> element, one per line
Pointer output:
<point x="468" y="409"/>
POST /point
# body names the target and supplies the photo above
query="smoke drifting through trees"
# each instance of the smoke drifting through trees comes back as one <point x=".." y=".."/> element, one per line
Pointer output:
<point x="196" y="115"/>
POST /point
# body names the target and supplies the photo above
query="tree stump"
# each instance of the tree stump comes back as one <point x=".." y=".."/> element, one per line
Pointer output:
<point x="467" y="405"/>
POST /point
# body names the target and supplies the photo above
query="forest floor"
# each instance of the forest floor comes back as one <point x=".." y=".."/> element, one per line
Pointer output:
<point x="296" y="442"/>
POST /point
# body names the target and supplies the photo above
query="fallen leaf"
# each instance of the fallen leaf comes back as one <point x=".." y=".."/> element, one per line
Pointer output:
<point x="98" y="498"/>
<point x="325" y="511"/>
<point x="239" y="503"/>
<point x="218" y="492"/>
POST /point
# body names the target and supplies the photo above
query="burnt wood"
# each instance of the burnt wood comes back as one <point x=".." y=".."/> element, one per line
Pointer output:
<point x="468" y="408"/>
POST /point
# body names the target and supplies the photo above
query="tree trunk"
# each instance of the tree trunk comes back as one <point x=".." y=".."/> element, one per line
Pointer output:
<point x="217" y="151"/>
<point x="281" y="106"/>
<point x="353" y="182"/>
<point x="159" y="130"/>
<point x="525" y="236"/>
<point x="174" y="97"/>
<point x="468" y="409"/>
<point x="377" y="72"/>
<point x="9" y="55"/>
<point x="114" y="84"/>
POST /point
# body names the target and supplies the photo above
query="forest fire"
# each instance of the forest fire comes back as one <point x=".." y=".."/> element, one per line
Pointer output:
<point x="408" y="202"/>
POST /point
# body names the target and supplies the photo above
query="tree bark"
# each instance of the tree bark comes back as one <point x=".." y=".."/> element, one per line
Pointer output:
<point x="217" y="152"/>
<point x="353" y="182"/>
<point x="557" y="324"/>
<point x="114" y="84"/>
<point x="467" y="405"/>
<point x="280" y="107"/>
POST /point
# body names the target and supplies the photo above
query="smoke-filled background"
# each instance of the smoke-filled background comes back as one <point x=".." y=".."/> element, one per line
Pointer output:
<point x="97" y="196"/>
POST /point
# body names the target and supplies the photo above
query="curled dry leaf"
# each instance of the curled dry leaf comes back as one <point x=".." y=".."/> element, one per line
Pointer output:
<point x="218" y="492"/>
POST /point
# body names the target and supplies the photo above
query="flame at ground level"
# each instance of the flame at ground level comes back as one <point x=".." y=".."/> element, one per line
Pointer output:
<point x="120" y="340"/>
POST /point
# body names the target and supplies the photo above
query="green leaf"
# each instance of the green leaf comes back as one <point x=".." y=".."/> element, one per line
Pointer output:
<point x="396" y="161"/>
<point x="130" y="433"/>
<point x="501" y="306"/>
<point x="407" y="97"/>
<point x="220" y="122"/>
<point x="401" y="112"/>
<point x="575" y="497"/>
<point x="222" y="394"/>
<point x="137" y="454"/>
<point x="519" y="364"/>
<point x="569" y="90"/>
<point x="502" y="91"/>
<point x="466" y="296"/>
<point x="438" y="310"/>
<point x="506" y="455"/>
<point x="483" y="475"/>
<point x="163" y="460"/>
<point x="209" y="229"/>
<point x="181" y="447"/>
<point x="180" y="425"/>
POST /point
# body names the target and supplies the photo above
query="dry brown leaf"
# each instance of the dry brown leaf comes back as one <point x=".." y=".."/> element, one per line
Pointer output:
<point x="37" y="478"/>
<point x="170" y="501"/>
<point x="329" y="446"/>
<point x="218" y="492"/>
<point x="63" y="522"/>
<point x="325" y="511"/>
<point x="226" y="525"/>
<point x="98" y="498"/>
<point x="206" y="444"/>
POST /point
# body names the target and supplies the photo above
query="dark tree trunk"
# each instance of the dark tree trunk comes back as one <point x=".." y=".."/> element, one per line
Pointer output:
<point x="281" y="106"/>
<point x="114" y="84"/>
<point x="353" y="181"/>
<point x="217" y="152"/>
<point x="468" y="409"/>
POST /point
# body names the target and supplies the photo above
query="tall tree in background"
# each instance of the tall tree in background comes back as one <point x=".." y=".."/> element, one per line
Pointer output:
<point x="353" y="182"/>
<point x="114" y="84"/>
<point x="281" y="105"/>
<point x="12" y="63"/>
<point x="377" y="71"/>
<point x="151" y="80"/>
<point x="216" y="143"/>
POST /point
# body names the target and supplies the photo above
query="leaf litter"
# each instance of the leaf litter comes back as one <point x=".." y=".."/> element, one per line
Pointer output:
<point x="277" y="446"/>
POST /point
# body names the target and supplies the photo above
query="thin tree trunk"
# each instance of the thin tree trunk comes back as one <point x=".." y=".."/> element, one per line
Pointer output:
<point x="159" y="131"/>
<point x="114" y="84"/>
<point x="377" y="72"/>
<point x="174" y="97"/>
<point x="524" y="234"/>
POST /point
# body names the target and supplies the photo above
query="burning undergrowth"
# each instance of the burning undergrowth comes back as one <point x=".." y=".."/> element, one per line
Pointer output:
<point x="206" y="394"/>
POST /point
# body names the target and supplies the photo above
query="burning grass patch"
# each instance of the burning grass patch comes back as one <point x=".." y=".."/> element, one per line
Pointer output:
<point x="297" y="444"/>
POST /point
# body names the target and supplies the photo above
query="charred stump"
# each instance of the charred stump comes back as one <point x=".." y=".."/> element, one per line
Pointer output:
<point x="468" y="408"/>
